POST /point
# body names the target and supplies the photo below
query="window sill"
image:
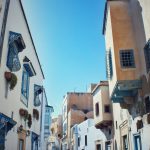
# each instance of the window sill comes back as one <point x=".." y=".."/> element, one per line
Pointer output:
<point x="127" y="69"/>
<point x="24" y="100"/>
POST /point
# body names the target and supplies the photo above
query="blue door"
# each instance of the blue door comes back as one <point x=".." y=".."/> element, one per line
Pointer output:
<point x="2" y="139"/>
<point x="137" y="142"/>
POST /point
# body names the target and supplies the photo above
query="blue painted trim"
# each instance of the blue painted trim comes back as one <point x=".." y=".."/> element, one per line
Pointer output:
<point x="135" y="137"/>
<point x="25" y="92"/>
<point x="29" y="68"/>
<point x="125" y="88"/>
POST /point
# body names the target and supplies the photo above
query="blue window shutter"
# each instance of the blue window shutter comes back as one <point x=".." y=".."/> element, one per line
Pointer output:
<point x="28" y="80"/>
<point x="15" y="45"/>
<point x="109" y="66"/>
<point x="37" y="91"/>
<point x="25" y="84"/>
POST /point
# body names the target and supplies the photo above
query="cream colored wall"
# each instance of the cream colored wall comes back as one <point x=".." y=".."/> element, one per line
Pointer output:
<point x="119" y="35"/>
<point x="102" y="98"/>
<point x="124" y="29"/>
<point x="123" y="37"/>
<point x="106" y="101"/>
<point x="109" y="44"/>
<point x="12" y="103"/>
<point x="83" y="101"/>
<point x="97" y="99"/>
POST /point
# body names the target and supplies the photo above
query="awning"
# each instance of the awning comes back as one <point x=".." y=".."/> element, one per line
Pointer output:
<point x="29" y="67"/>
<point x="6" y="122"/>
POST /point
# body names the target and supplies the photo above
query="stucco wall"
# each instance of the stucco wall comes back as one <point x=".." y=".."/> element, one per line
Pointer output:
<point x="12" y="103"/>
<point x="87" y="128"/>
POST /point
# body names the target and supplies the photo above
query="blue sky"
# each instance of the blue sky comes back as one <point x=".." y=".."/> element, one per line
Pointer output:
<point x="69" y="41"/>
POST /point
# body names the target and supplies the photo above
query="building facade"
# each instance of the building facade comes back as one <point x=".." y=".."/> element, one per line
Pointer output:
<point x="82" y="136"/>
<point x="103" y="113"/>
<point x="127" y="33"/>
<point x="46" y="120"/>
<point x="21" y="81"/>
<point x="77" y="107"/>
<point x="56" y="134"/>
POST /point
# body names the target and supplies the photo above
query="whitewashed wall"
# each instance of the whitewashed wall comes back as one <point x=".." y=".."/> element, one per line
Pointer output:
<point x="16" y="23"/>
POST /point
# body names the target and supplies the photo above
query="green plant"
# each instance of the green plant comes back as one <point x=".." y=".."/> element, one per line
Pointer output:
<point x="13" y="81"/>
<point x="25" y="115"/>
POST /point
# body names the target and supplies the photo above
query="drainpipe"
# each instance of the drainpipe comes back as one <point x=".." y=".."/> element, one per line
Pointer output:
<point x="40" y="144"/>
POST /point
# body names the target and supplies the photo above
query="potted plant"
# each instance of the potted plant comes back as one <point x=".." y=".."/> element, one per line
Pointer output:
<point x="8" y="76"/>
<point x="11" y="78"/>
<point x="36" y="114"/>
<point x="139" y="124"/>
<point x="29" y="120"/>
<point x="13" y="81"/>
<point x="21" y="112"/>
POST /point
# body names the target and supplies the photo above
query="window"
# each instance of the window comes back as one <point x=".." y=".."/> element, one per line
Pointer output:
<point x="98" y="147"/>
<point x="147" y="104"/>
<point x="97" y="109"/>
<point x="85" y="140"/>
<point x="25" y="85"/>
<point x="37" y="92"/>
<point x="125" y="142"/>
<point x="109" y="131"/>
<point x="147" y="55"/>
<point x="127" y="59"/>
<point x="46" y="119"/>
<point x="46" y="127"/>
<point x="64" y="128"/>
<point x="3" y="15"/>
<point x="16" y="45"/>
<point x="78" y="141"/>
<point x="116" y="125"/>
<point x="107" y="108"/>
<point x="137" y="142"/>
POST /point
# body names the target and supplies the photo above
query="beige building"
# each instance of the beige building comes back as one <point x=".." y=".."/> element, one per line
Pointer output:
<point x="127" y="33"/>
<point x="77" y="107"/>
<point x="56" y="133"/>
<point x="103" y="118"/>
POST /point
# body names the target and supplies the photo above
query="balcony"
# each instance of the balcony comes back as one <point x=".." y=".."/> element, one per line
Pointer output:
<point x="102" y="106"/>
<point x="124" y="91"/>
<point x="103" y="123"/>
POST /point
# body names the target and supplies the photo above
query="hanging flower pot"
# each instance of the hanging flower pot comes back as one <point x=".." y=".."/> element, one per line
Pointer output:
<point x="36" y="114"/>
<point x="148" y="118"/>
<point x="8" y="76"/>
<point x="11" y="78"/>
<point x="22" y="112"/>
<point x="139" y="124"/>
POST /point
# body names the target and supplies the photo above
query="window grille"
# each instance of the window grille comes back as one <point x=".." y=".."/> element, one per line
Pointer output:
<point x="127" y="59"/>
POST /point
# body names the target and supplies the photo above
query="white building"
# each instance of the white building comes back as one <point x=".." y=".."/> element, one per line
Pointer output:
<point x="21" y="81"/>
<point x="86" y="137"/>
<point x="46" y="118"/>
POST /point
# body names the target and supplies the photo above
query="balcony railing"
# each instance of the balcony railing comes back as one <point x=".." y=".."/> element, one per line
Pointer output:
<point x="125" y="90"/>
